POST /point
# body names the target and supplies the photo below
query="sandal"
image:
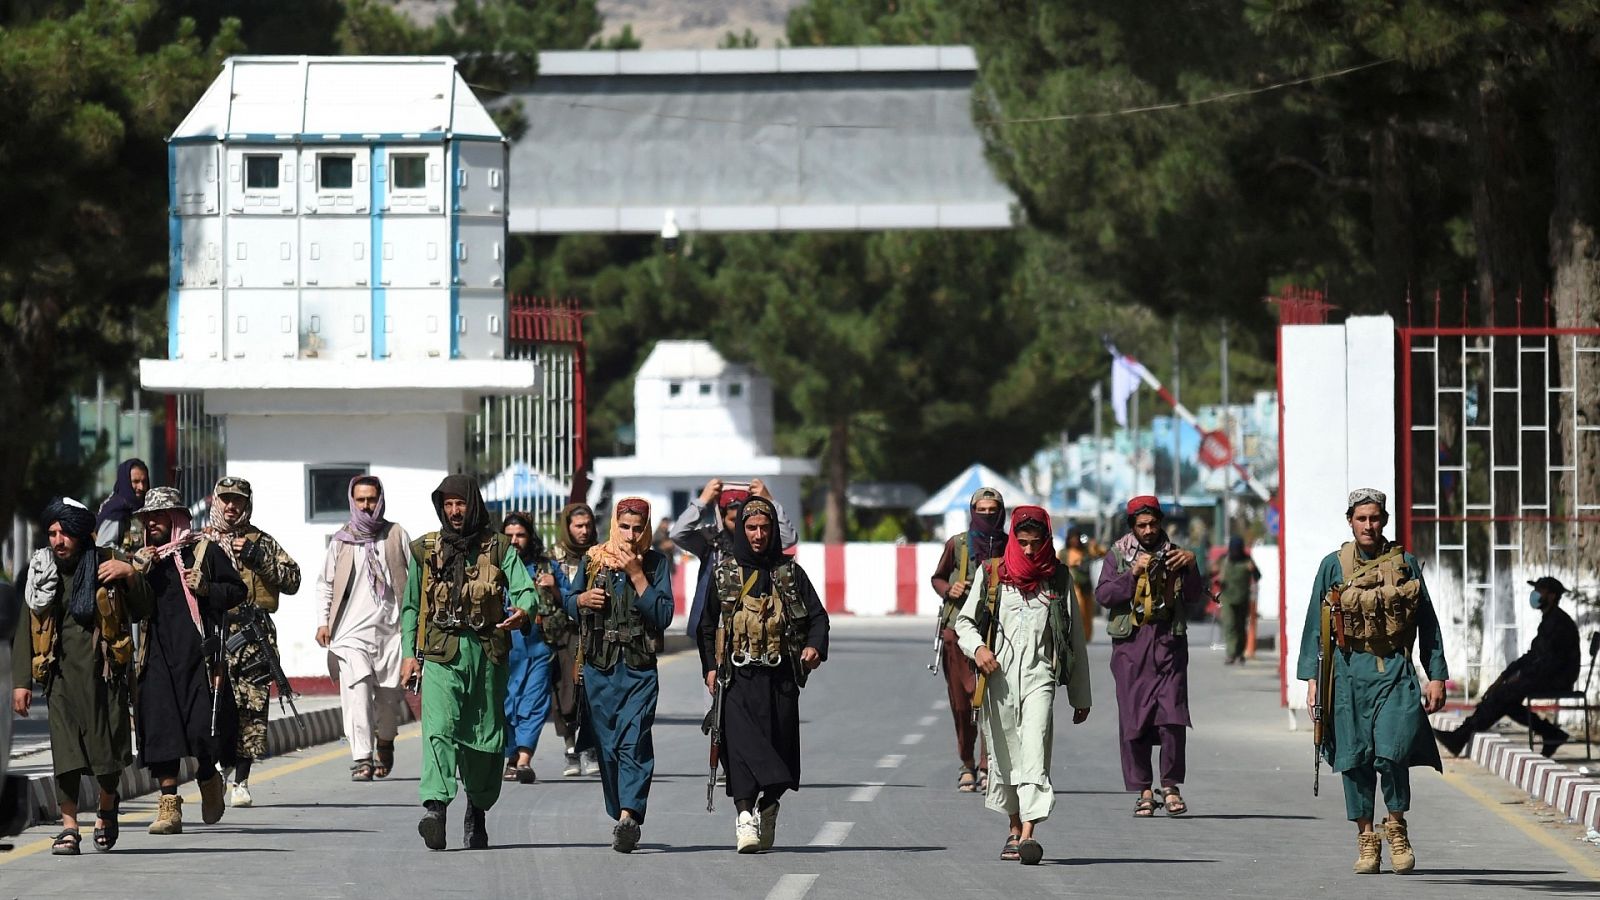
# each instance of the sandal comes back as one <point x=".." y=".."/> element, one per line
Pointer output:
<point x="67" y="842"/>
<point x="1174" y="802"/>
<point x="361" y="771"/>
<point x="1010" y="854"/>
<point x="105" y="837"/>
<point x="967" y="783"/>
<point x="385" y="761"/>
<point x="1144" y="807"/>
<point x="524" y="775"/>
<point x="510" y="774"/>
<point x="983" y="781"/>
<point x="1030" y="852"/>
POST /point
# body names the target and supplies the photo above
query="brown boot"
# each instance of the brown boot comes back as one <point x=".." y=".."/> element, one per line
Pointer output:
<point x="1399" y="847"/>
<point x="169" y="815"/>
<point x="211" y="799"/>
<point x="1368" y="844"/>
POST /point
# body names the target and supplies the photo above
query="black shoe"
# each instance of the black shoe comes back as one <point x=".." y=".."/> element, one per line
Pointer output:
<point x="432" y="825"/>
<point x="625" y="837"/>
<point x="474" y="832"/>
<point x="1454" y="741"/>
<point x="1551" y="744"/>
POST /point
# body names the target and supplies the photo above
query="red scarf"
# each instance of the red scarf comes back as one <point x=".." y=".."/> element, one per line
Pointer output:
<point x="1023" y="572"/>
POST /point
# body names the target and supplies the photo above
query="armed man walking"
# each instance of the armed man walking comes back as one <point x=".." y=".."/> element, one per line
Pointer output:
<point x="268" y="573"/>
<point x="622" y="599"/>
<point x="575" y="535"/>
<point x="359" y="588"/>
<point x="184" y="706"/>
<point x="529" y="688"/>
<point x="768" y="634"/>
<point x="1018" y="629"/>
<point x="1149" y="585"/>
<point x="963" y="558"/>
<point x="1368" y="605"/>
<point x="466" y="591"/>
<point x="80" y="600"/>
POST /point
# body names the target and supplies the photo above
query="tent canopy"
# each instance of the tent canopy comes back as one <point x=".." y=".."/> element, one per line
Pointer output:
<point x="955" y="496"/>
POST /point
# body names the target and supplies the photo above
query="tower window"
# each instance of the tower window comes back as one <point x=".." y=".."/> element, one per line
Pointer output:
<point x="261" y="171"/>
<point x="408" y="171"/>
<point x="336" y="173"/>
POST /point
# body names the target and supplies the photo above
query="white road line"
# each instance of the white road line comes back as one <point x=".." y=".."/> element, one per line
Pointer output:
<point x="832" y="834"/>
<point x="866" y="793"/>
<point x="791" y="887"/>
<point x="892" y="761"/>
<point x="912" y="739"/>
<point x="941" y="704"/>
<point x="925" y="721"/>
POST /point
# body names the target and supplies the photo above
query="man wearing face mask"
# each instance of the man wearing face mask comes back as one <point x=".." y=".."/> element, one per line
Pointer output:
<point x="1549" y="667"/>
<point x="1371" y="597"/>
<point x="964" y="556"/>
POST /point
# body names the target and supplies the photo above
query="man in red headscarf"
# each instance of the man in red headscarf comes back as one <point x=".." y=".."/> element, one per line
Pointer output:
<point x="1149" y="585"/>
<point x="1018" y="628"/>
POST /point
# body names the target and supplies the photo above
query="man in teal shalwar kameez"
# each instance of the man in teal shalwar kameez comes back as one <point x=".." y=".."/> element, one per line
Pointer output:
<point x="1376" y="725"/>
<point x="466" y="591"/>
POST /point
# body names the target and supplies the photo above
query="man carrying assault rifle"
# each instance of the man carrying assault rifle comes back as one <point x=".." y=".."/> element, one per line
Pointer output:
<point x="1368" y="606"/>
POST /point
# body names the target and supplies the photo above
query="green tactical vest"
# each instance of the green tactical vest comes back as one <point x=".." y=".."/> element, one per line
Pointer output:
<point x="444" y="617"/>
<point x="1128" y="615"/>
<point x="620" y="631"/>
<point x="1058" y="593"/>
<point x="790" y="609"/>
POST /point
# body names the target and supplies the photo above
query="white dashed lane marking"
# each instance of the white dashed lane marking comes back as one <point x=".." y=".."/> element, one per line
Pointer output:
<point x="866" y="793"/>
<point x="892" y="761"/>
<point x="832" y="834"/>
<point x="791" y="887"/>
<point x="912" y="739"/>
<point x="925" y="721"/>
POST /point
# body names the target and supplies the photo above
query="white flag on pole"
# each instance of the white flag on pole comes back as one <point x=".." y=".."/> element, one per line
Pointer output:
<point x="1126" y="376"/>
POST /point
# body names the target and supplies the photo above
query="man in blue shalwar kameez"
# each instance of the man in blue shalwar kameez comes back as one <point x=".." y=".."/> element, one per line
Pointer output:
<point x="529" y="688"/>
<point x="622" y="599"/>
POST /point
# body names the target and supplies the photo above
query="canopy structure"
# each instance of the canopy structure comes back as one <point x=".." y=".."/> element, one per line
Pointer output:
<point x="950" y="501"/>
<point x="518" y="485"/>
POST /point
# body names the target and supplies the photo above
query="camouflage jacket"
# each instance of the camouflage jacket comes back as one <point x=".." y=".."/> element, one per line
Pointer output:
<point x="267" y="571"/>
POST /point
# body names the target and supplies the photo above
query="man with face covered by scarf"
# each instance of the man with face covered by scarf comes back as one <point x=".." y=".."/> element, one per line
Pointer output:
<point x="268" y="572"/>
<point x="622" y="599"/>
<point x="466" y="591"/>
<point x="766" y="633"/>
<point x="964" y="556"/>
<point x="80" y="600"/>
<point x="360" y="587"/>
<point x="575" y="535"/>
<point x="710" y="537"/>
<point x="1149" y="585"/>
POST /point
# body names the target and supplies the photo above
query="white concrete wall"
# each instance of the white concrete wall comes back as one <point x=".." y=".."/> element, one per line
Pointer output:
<point x="1333" y="376"/>
<point x="411" y="453"/>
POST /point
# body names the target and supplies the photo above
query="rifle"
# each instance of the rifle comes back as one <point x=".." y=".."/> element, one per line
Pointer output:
<point x="252" y="631"/>
<point x="1324" y="684"/>
<point x="712" y="728"/>
<point x="962" y="574"/>
<point x="988" y="641"/>
<point x="938" y="640"/>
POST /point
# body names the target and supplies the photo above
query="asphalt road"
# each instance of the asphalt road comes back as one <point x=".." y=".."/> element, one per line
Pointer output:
<point x="878" y="818"/>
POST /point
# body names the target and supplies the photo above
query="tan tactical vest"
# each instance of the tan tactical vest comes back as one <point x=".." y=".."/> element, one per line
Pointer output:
<point x="760" y="630"/>
<point x="1155" y="599"/>
<point x="112" y="629"/>
<point x="477" y="609"/>
<point x="1375" y="606"/>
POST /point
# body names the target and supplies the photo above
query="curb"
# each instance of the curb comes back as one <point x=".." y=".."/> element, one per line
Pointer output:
<point x="1562" y="787"/>
<point x="322" y="726"/>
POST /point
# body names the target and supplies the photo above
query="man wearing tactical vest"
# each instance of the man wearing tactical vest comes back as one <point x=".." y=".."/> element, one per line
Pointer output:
<point x="768" y="633"/>
<point x="76" y="643"/>
<point x="1368" y="606"/>
<point x="963" y="558"/>
<point x="268" y="572"/>
<point x="1148" y="585"/>
<point x="184" y="704"/>
<point x="1018" y="629"/>
<point x="466" y="591"/>
<point x="622" y="599"/>
<point x="359" y="589"/>
<point x="575" y="534"/>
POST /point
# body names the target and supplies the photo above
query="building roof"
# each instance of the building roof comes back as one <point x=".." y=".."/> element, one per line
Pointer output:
<point x="334" y="97"/>
<point x="683" y="360"/>
<point x="957" y="494"/>
<point x="844" y="138"/>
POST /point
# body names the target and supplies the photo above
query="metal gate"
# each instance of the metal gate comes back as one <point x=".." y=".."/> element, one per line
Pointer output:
<point x="1491" y="495"/>
<point x="528" y="450"/>
<point x="197" y="448"/>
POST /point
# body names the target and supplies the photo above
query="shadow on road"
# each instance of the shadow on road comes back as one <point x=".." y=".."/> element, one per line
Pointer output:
<point x="1101" y="861"/>
<point x="157" y="851"/>
<point x="725" y="849"/>
<point x="1545" y="885"/>
<point x="1238" y="816"/>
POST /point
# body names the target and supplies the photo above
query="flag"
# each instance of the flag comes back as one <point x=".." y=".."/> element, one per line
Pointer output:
<point x="1126" y="374"/>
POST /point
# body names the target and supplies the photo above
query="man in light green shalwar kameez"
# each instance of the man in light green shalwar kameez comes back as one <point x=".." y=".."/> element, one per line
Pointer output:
<point x="1376" y="727"/>
<point x="1019" y="628"/>
<point x="465" y="592"/>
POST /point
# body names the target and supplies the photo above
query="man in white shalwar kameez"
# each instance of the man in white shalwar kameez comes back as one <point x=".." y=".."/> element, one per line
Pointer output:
<point x="1019" y="627"/>
<point x="360" y="587"/>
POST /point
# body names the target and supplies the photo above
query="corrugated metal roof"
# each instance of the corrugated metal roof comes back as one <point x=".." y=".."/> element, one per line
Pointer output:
<point x="337" y="95"/>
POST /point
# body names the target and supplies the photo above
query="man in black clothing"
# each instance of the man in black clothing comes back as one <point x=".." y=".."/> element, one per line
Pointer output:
<point x="1549" y="667"/>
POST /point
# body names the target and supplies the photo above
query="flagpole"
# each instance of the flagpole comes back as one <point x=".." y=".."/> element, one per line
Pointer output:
<point x="1133" y="423"/>
<point x="1099" y="500"/>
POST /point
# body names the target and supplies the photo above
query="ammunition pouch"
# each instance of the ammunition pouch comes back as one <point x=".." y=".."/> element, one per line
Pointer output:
<point x="1374" y="610"/>
<point x="476" y="610"/>
<point x="112" y="627"/>
<point x="1155" y="599"/>
<point x="620" y="632"/>
<point x="761" y="631"/>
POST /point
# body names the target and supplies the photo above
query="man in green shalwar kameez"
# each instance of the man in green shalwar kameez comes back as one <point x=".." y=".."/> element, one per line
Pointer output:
<point x="1375" y="726"/>
<point x="466" y="591"/>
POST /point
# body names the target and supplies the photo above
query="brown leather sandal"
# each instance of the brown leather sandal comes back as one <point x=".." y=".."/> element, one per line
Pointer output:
<point x="385" y="761"/>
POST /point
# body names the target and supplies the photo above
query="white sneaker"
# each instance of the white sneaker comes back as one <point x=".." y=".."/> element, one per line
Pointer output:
<point x="591" y="765"/>
<point x="768" y="826"/>
<point x="573" y="766"/>
<point x="239" y="796"/>
<point x="746" y="834"/>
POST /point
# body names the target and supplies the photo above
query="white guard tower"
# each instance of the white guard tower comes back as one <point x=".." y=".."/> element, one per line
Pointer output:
<point x="337" y="288"/>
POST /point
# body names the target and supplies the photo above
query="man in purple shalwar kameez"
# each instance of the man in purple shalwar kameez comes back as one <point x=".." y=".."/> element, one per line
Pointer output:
<point x="1148" y="584"/>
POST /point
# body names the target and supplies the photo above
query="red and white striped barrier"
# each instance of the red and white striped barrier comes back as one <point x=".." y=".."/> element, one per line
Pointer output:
<point x="857" y="579"/>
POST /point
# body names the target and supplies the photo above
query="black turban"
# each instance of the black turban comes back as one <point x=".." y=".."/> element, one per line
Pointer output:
<point x="75" y="519"/>
<point x="77" y="522"/>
